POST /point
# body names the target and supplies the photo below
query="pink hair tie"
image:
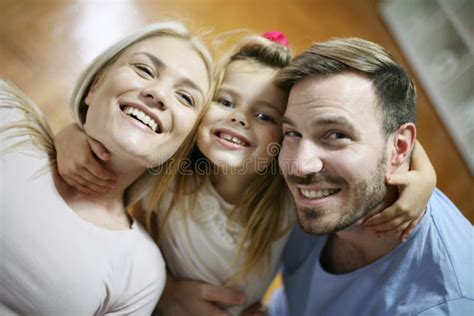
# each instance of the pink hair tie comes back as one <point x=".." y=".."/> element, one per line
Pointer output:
<point x="277" y="37"/>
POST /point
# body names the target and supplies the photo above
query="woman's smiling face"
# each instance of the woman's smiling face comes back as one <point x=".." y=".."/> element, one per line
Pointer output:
<point x="147" y="101"/>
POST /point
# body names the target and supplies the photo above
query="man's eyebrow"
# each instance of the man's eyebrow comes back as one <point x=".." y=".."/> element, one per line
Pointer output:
<point x="287" y="120"/>
<point x="325" y="121"/>
<point x="160" y="65"/>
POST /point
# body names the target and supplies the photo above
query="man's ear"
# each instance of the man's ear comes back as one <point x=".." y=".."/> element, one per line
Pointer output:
<point x="403" y="143"/>
<point x="92" y="89"/>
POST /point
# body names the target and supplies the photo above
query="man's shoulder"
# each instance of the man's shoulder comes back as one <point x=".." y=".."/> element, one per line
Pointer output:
<point x="451" y="237"/>
<point x="300" y="246"/>
<point x="448" y="221"/>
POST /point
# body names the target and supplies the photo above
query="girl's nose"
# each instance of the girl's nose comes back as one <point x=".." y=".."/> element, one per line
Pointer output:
<point x="238" y="118"/>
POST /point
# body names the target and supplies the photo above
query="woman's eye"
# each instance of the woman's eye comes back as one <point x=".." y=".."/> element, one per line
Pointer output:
<point x="264" y="117"/>
<point x="142" y="68"/>
<point x="226" y="103"/>
<point x="187" y="98"/>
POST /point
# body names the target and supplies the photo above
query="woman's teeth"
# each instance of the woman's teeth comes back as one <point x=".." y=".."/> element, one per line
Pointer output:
<point x="312" y="194"/>
<point x="232" y="139"/>
<point x="142" y="117"/>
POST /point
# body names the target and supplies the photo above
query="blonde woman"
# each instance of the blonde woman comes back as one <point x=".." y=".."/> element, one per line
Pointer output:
<point x="65" y="252"/>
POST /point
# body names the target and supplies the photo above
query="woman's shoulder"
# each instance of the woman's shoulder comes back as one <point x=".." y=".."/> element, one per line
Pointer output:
<point x="10" y="100"/>
<point x="22" y="124"/>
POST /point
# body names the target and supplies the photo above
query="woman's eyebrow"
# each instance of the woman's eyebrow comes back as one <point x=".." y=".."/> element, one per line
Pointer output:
<point x="156" y="62"/>
<point x="161" y="65"/>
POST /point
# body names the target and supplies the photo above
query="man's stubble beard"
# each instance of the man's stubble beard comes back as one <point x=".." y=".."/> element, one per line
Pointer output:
<point x="368" y="193"/>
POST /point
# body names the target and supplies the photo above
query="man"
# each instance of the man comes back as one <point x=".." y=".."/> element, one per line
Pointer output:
<point x="350" y="120"/>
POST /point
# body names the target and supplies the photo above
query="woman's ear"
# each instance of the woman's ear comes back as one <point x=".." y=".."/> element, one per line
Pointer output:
<point x="92" y="89"/>
<point x="403" y="142"/>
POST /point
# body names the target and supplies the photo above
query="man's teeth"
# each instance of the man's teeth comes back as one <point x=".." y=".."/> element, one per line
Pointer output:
<point x="312" y="194"/>
<point x="145" y="119"/>
<point x="233" y="139"/>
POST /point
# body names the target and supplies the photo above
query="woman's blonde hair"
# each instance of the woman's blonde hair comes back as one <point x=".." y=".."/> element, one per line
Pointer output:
<point x="261" y="208"/>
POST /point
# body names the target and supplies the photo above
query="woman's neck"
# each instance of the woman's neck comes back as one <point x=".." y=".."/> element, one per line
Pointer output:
<point x="104" y="209"/>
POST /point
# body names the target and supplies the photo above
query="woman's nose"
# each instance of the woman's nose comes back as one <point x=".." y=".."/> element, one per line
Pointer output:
<point x="156" y="96"/>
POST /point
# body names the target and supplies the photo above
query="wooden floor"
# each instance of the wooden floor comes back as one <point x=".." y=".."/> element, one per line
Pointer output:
<point x="44" y="44"/>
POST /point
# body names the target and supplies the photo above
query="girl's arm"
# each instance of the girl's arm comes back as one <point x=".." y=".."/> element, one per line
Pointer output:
<point x="415" y="189"/>
<point x="187" y="297"/>
<point x="78" y="161"/>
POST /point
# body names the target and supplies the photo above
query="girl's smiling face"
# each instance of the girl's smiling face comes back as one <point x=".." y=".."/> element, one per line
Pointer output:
<point x="144" y="104"/>
<point x="242" y="128"/>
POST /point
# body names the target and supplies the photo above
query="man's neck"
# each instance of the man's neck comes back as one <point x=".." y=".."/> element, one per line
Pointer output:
<point x="346" y="252"/>
<point x="356" y="246"/>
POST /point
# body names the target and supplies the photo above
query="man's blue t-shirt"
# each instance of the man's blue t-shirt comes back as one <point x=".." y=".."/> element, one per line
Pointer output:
<point x="429" y="274"/>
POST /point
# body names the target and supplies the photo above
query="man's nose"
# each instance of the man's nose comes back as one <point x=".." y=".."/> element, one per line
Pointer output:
<point x="307" y="159"/>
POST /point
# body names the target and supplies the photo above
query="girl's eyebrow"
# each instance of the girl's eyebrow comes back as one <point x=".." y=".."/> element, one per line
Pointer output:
<point x="235" y="94"/>
<point x="271" y="106"/>
<point x="161" y="65"/>
<point x="228" y="90"/>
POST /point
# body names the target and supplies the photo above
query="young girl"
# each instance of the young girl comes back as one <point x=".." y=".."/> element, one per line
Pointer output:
<point x="226" y="219"/>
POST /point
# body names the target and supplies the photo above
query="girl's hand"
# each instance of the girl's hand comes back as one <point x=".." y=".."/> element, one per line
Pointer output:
<point x="77" y="157"/>
<point x="415" y="189"/>
<point x="187" y="297"/>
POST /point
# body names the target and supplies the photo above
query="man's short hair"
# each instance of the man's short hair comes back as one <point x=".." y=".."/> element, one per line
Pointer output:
<point x="393" y="86"/>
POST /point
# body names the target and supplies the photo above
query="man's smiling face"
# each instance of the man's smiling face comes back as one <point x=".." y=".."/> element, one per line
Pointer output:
<point x="334" y="153"/>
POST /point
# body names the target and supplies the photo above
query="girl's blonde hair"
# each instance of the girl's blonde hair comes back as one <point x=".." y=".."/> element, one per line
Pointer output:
<point x="36" y="126"/>
<point x="261" y="208"/>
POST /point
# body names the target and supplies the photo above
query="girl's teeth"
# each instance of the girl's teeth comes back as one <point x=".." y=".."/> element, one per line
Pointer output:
<point x="232" y="139"/>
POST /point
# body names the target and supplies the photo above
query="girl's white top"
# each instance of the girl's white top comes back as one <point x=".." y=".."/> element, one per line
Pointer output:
<point x="202" y="245"/>
<point x="52" y="262"/>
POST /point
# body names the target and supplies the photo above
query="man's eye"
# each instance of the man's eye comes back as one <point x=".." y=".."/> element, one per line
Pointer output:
<point x="187" y="98"/>
<point x="291" y="134"/>
<point x="144" y="69"/>
<point x="337" y="135"/>
<point x="264" y="117"/>
<point x="226" y="103"/>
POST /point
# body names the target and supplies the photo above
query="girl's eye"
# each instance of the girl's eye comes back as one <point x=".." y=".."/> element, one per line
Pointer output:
<point x="187" y="98"/>
<point x="226" y="103"/>
<point x="264" y="117"/>
<point x="144" y="69"/>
